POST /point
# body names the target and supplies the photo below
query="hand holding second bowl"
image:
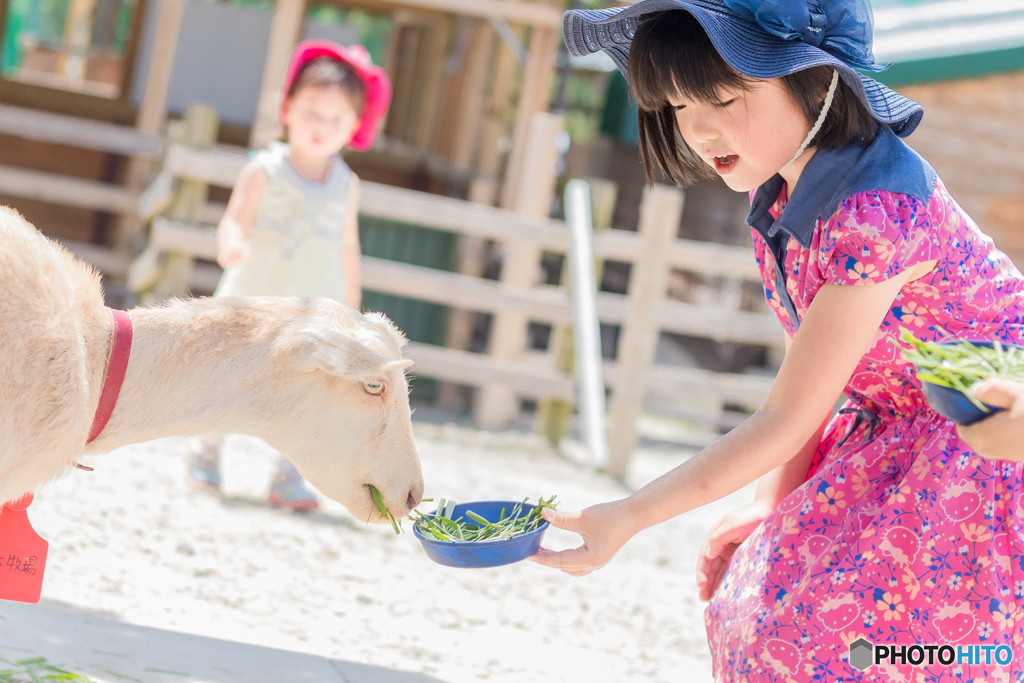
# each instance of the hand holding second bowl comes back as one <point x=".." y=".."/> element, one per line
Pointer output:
<point x="1001" y="436"/>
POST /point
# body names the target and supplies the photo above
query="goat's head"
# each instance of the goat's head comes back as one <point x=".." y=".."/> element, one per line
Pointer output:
<point x="349" y="422"/>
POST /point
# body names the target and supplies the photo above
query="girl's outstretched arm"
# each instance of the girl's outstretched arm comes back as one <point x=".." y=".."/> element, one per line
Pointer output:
<point x="350" y="250"/>
<point x="784" y="479"/>
<point x="240" y="214"/>
<point x="838" y="329"/>
<point x="724" y="539"/>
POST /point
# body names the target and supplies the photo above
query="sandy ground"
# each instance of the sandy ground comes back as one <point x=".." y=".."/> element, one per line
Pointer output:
<point x="132" y="542"/>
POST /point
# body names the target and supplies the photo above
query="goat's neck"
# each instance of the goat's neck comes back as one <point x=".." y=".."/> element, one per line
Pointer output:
<point x="195" y="368"/>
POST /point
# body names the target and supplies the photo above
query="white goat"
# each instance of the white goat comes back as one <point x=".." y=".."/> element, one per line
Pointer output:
<point x="316" y="380"/>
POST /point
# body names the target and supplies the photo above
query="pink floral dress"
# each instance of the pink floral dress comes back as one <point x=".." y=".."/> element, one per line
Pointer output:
<point x="901" y="534"/>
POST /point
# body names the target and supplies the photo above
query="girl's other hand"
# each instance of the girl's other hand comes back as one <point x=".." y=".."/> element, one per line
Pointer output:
<point x="1000" y="437"/>
<point x="232" y="253"/>
<point x="722" y="541"/>
<point x="605" y="528"/>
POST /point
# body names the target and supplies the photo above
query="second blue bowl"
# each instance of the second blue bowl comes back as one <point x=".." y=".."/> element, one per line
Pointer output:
<point x="475" y="555"/>
<point x="954" y="404"/>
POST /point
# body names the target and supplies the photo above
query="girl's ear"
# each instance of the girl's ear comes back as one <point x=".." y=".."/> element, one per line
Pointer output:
<point x="286" y="111"/>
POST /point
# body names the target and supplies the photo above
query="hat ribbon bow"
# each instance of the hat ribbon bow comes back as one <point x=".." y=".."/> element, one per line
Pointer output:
<point x="840" y="27"/>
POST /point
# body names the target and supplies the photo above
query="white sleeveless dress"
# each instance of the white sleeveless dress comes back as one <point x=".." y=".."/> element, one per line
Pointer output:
<point x="296" y="238"/>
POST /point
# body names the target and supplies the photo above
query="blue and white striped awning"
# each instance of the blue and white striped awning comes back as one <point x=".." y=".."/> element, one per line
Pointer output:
<point x="912" y="31"/>
<point x="919" y="30"/>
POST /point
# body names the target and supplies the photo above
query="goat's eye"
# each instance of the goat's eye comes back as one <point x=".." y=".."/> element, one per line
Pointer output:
<point x="373" y="387"/>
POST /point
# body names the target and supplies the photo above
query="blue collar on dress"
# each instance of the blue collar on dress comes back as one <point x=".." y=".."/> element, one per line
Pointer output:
<point x="831" y="176"/>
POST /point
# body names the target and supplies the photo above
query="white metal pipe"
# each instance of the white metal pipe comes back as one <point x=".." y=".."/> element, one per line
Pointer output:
<point x="586" y="328"/>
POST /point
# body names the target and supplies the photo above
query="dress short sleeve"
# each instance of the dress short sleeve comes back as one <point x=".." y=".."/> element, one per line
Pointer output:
<point x="874" y="236"/>
<point x="271" y="158"/>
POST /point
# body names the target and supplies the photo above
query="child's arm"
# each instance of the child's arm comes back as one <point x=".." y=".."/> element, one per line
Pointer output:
<point x="729" y="532"/>
<point x="350" y="251"/>
<point x="240" y="214"/>
<point x="839" y="327"/>
<point x="773" y="487"/>
<point x="1000" y="437"/>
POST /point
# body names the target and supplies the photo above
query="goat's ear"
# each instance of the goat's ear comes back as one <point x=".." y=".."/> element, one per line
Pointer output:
<point x="324" y="348"/>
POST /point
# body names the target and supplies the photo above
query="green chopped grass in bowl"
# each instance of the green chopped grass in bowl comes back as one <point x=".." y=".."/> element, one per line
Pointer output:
<point x="512" y="523"/>
<point x="960" y="365"/>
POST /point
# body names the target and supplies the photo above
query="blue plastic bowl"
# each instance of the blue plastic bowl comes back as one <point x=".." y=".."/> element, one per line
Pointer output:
<point x="484" y="553"/>
<point x="954" y="404"/>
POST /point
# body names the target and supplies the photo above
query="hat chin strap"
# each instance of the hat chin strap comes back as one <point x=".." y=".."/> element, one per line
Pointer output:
<point x="821" y="117"/>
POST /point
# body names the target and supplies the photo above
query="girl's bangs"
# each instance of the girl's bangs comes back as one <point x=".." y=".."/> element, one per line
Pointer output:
<point x="672" y="49"/>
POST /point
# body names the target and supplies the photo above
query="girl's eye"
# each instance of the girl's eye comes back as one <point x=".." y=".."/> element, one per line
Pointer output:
<point x="723" y="105"/>
<point x="373" y="387"/>
<point x="679" y="107"/>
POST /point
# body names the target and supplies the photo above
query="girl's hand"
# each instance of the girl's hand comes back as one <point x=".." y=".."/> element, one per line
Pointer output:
<point x="605" y="528"/>
<point x="232" y="252"/>
<point x="722" y="541"/>
<point x="232" y="245"/>
<point x="1000" y="437"/>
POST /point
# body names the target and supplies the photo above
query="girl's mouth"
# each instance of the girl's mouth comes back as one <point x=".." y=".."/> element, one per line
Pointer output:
<point x="725" y="164"/>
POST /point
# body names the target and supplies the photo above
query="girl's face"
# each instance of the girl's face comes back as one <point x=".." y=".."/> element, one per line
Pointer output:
<point x="748" y="135"/>
<point x="320" y="120"/>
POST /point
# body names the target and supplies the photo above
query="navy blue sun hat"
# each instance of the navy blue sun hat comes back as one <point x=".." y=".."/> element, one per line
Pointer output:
<point x="763" y="39"/>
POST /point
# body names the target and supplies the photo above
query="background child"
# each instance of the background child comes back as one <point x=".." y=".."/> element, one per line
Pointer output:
<point x="880" y="522"/>
<point x="291" y="225"/>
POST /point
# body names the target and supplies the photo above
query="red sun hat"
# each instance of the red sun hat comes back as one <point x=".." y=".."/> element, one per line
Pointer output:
<point x="378" y="86"/>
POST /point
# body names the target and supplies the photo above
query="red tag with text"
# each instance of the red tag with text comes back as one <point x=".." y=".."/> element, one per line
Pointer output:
<point x="22" y="554"/>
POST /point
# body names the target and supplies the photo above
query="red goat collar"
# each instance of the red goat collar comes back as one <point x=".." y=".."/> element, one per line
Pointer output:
<point x="117" y="364"/>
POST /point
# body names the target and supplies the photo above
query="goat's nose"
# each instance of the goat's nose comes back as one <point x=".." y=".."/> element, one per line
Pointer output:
<point x="413" y="500"/>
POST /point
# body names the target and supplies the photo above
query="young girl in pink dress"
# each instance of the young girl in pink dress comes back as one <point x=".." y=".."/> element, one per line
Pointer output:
<point x="878" y="526"/>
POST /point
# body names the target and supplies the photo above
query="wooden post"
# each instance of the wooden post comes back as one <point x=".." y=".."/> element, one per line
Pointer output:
<point x="77" y="38"/>
<point x="418" y="58"/>
<point x="471" y="96"/>
<point x="495" y="126"/>
<point x="537" y="173"/>
<point x="496" y="404"/>
<point x="472" y="254"/>
<point x="660" y="211"/>
<point x="553" y="414"/>
<point x="403" y="74"/>
<point x="153" y="108"/>
<point x="198" y="129"/>
<point x="433" y="74"/>
<point x="394" y="46"/>
<point x="285" y="29"/>
<point x="533" y="98"/>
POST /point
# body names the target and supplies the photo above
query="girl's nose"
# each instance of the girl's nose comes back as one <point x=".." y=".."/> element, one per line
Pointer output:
<point x="702" y="129"/>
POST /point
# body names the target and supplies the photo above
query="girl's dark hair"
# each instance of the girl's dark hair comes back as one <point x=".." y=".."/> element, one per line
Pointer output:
<point x="327" y="71"/>
<point x="671" y="53"/>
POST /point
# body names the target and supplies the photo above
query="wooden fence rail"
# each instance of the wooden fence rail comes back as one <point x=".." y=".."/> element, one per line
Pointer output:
<point x="41" y="126"/>
<point x="543" y="303"/>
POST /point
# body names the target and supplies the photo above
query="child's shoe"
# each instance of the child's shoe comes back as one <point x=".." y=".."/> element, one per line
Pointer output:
<point x="204" y="465"/>
<point x="289" y="492"/>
